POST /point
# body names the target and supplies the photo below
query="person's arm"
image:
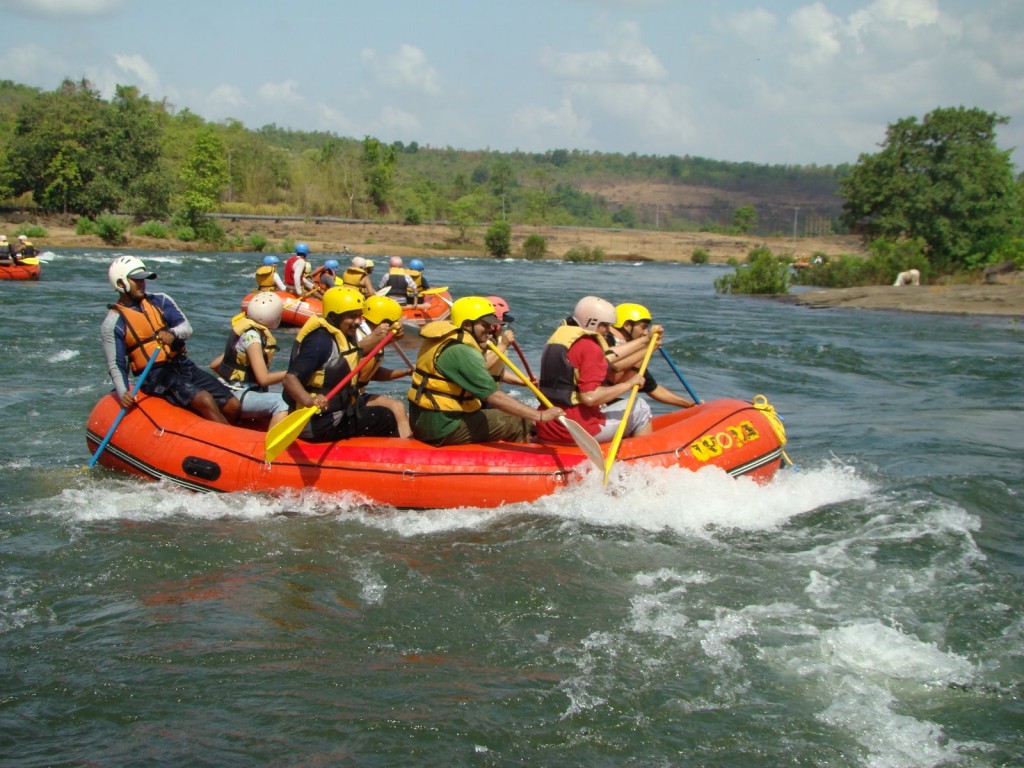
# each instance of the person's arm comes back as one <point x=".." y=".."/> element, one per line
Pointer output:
<point x="116" y="354"/>
<point x="629" y="354"/>
<point x="587" y="356"/>
<point x="258" y="364"/>
<point x="667" y="396"/>
<point x="508" y="404"/>
<point x="177" y="323"/>
<point x="279" y="283"/>
<point x="389" y="374"/>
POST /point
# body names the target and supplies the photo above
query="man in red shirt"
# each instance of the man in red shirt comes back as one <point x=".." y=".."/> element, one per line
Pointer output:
<point x="574" y="376"/>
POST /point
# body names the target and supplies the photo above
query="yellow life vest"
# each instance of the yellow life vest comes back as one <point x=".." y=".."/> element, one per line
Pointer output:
<point x="429" y="389"/>
<point x="353" y="276"/>
<point x="336" y="367"/>
<point x="265" y="278"/>
<point x="235" y="363"/>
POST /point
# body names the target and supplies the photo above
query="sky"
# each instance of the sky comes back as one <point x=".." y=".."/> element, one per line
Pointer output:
<point x="778" y="82"/>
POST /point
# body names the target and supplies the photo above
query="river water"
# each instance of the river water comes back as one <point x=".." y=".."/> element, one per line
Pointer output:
<point x="864" y="609"/>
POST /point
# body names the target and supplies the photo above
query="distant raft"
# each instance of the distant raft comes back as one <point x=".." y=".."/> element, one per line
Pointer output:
<point x="434" y="305"/>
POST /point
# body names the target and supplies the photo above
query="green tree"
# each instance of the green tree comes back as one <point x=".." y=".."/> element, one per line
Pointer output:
<point x="465" y="213"/>
<point x="499" y="239"/>
<point x="942" y="179"/>
<point x="205" y="177"/>
<point x="744" y="218"/>
<point x="379" y="170"/>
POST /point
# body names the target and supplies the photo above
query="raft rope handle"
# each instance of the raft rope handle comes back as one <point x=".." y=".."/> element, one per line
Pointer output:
<point x="761" y="403"/>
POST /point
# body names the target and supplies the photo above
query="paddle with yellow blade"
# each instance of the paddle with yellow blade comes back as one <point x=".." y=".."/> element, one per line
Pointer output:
<point x="614" y="447"/>
<point x="434" y="291"/>
<point x="284" y="433"/>
<point x="580" y="436"/>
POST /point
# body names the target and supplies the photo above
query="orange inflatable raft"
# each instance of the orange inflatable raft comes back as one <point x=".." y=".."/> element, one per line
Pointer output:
<point x="157" y="440"/>
<point x="28" y="269"/>
<point x="297" y="310"/>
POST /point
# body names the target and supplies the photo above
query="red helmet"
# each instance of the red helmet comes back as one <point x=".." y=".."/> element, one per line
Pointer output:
<point x="501" y="309"/>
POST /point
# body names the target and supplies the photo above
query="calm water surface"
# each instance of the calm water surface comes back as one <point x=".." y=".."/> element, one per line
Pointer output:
<point x="865" y="610"/>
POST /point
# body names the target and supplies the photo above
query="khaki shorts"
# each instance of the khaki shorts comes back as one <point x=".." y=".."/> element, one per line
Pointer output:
<point x="486" y="426"/>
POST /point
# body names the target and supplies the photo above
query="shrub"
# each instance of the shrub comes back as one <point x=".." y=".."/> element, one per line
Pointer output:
<point x="763" y="272"/>
<point x="31" y="231"/>
<point x="498" y="239"/>
<point x="886" y="260"/>
<point x="185" y="233"/>
<point x="413" y="215"/>
<point x="585" y="255"/>
<point x="111" y="229"/>
<point x="257" y="242"/>
<point x="154" y="229"/>
<point x="85" y="226"/>
<point x="700" y="256"/>
<point x="534" y="247"/>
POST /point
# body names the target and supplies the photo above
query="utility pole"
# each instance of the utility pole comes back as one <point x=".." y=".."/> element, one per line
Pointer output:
<point x="796" y="211"/>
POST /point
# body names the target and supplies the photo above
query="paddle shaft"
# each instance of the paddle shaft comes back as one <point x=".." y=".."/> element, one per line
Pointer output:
<point x="526" y="365"/>
<point x="617" y="440"/>
<point x="679" y="375"/>
<point x="138" y="384"/>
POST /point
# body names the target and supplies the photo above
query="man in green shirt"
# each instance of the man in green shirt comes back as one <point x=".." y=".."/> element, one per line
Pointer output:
<point x="451" y="384"/>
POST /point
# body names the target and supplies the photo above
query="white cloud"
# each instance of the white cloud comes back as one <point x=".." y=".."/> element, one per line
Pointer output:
<point x="543" y="128"/>
<point x="330" y="119"/>
<point x="398" y="122"/>
<point x="32" y="65"/>
<point x="286" y="91"/>
<point x="135" y="65"/>
<point x="407" y="68"/>
<point x="626" y="58"/>
<point x="62" y="9"/>
<point x="815" y="34"/>
<point x="225" y="95"/>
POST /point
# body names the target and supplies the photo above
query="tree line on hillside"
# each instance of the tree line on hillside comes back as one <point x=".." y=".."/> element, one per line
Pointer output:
<point x="940" y="183"/>
<point x="70" y="151"/>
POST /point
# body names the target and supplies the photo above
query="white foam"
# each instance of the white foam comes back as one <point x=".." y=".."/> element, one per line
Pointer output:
<point x="874" y="650"/>
<point x="64" y="355"/>
<point x="696" y="502"/>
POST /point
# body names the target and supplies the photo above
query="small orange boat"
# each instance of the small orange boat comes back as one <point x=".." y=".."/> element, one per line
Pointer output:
<point x="157" y="440"/>
<point x="297" y="310"/>
<point x="28" y="269"/>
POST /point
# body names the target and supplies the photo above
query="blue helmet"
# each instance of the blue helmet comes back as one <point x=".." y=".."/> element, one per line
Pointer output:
<point x="302" y="249"/>
<point x="331" y="264"/>
<point x="417" y="264"/>
<point x="271" y="261"/>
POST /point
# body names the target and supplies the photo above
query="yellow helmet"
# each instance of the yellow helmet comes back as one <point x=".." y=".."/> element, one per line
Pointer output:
<point x="380" y="308"/>
<point x="473" y="308"/>
<point x="342" y="299"/>
<point x="638" y="313"/>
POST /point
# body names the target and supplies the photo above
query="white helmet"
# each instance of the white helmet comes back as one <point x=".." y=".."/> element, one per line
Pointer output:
<point x="358" y="262"/>
<point x="265" y="308"/>
<point x="591" y="310"/>
<point x="124" y="267"/>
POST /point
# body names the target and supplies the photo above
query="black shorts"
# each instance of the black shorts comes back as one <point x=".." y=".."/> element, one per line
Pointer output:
<point x="180" y="380"/>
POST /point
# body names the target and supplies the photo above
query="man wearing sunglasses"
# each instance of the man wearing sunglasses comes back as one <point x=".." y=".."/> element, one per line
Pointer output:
<point x="451" y="384"/>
